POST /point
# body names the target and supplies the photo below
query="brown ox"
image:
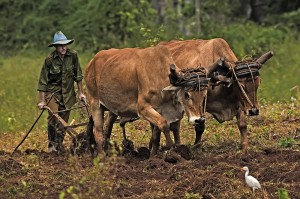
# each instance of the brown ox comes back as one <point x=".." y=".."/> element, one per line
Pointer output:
<point x="132" y="82"/>
<point x="233" y="89"/>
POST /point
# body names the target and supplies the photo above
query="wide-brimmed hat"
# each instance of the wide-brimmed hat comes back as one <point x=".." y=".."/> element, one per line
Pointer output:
<point x="60" y="38"/>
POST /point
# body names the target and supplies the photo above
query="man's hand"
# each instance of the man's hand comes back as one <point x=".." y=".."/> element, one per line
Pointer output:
<point x="41" y="105"/>
<point x="82" y="97"/>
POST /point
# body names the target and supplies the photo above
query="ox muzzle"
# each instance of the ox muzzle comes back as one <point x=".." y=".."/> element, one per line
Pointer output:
<point x="253" y="112"/>
<point x="200" y="121"/>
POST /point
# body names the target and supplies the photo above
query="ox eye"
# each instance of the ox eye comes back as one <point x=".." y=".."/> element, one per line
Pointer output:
<point x="186" y="95"/>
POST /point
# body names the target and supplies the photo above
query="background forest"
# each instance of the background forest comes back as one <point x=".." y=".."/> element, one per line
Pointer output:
<point x="102" y="24"/>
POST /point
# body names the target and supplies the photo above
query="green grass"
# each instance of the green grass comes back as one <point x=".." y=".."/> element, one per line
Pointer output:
<point x="280" y="75"/>
<point x="19" y="76"/>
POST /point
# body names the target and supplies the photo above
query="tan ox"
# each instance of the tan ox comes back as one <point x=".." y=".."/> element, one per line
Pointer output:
<point x="135" y="82"/>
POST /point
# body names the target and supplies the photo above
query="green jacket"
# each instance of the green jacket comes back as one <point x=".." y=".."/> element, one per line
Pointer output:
<point x="58" y="77"/>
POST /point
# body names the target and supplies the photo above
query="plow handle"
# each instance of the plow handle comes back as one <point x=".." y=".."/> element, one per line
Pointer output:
<point x="28" y="131"/>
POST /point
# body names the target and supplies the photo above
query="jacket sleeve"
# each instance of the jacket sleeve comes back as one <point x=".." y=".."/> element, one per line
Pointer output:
<point x="43" y="79"/>
<point x="77" y="69"/>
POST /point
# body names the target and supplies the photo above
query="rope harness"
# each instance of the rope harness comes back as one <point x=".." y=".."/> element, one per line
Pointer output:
<point x="246" y="69"/>
<point x="192" y="79"/>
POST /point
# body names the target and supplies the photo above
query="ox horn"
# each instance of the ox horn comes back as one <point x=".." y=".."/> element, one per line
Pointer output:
<point x="212" y="68"/>
<point x="173" y="68"/>
<point x="222" y="62"/>
<point x="265" y="57"/>
<point x="174" y="75"/>
<point x="226" y="64"/>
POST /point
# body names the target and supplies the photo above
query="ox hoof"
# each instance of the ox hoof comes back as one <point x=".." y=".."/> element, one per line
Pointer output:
<point x="172" y="157"/>
<point x="144" y="153"/>
<point x="197" y="145"/>
<point x="80" y="145"/>
<point x="128" y="148"/>
<point x="183" y="151"/>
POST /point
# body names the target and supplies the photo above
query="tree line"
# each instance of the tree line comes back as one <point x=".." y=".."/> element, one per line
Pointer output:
<point x="103" y="24"/>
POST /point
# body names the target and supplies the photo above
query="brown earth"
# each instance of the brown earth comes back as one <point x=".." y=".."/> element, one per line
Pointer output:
<point x="213" y="170"/>
<point x="203" y="174"/>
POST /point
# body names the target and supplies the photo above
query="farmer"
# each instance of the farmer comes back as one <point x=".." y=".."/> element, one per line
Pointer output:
<point x="56" y="87"/>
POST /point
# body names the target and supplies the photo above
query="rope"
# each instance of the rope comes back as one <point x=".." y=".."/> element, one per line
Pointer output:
<point x="241" y="88"/>
<point x="252" y="77"/>
<point x="190" y="78"/>
<point x="205" y="99"/>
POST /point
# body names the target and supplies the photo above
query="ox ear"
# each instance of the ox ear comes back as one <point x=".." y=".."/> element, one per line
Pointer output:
<point x="171" y="88"/>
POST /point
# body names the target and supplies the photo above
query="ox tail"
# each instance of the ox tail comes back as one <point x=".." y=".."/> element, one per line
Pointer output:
<point x="90" y="135"/>
<point x="92" y="95"/>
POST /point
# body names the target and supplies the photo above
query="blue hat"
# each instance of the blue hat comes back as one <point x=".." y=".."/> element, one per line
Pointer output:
<point x="60" y="38"/>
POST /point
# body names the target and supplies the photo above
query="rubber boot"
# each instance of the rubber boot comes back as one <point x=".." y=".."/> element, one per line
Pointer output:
<point x="59" y="140"/>
<point x="51" y="138"/>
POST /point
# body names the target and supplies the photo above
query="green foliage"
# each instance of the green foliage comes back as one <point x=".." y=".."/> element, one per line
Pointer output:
<point x="286" y="142"/>
<point x="283" y="194"/>
<point x="151" y="37"/>
<point x="107" y="24"/>
<point x="94" y="24"/>
<point x="100" y="25"/>
<point x="250" y="38"/>
<point x="191" y="195"/>
<point x="289" y="19"/>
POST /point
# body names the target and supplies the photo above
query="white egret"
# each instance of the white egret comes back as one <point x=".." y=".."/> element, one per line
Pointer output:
<point x="250" y="180"/>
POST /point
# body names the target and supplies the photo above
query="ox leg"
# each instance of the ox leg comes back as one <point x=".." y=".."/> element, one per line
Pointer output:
<point x="242" y="125"/>
<point x="175" y="128"/>
<point x="152" y="135"/>
<point x="169" y="142"/>
<point x="108" y="125"/>
<point x="155" y="139"/>
<point x="199" y="129"/>
<point x="98" y="118"/>
<point x="157" y="120"/>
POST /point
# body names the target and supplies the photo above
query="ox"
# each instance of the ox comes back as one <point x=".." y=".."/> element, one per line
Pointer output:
<point x="136" y="82"/>
<point x="233" y="89"/>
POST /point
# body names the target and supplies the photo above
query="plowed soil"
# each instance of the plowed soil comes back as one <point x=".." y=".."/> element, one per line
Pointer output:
<point x="37" y="174"/>
<point x="212" y="170"/>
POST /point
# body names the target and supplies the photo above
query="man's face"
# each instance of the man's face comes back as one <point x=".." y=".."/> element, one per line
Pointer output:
<point x="61" y="49"/>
